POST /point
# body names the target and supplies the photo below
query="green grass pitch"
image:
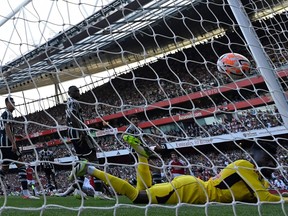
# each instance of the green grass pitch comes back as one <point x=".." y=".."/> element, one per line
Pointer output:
<point x="58" y="206"/>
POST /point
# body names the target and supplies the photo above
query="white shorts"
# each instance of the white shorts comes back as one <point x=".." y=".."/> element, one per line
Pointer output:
<point x="31" y="182"/>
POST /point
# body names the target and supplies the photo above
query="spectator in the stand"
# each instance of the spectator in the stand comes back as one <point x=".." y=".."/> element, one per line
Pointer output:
<point x="279" y="183"/>
<point x="170" y="75"/>
<point x="9" y="149"/>
<point x="84" y="145"/>
<point x="30" y="179"/>
<point x="239" y="181"/>
<point x="133" y="128"/>
<point x="176" y="166"/>
<point x="47" y="156"/>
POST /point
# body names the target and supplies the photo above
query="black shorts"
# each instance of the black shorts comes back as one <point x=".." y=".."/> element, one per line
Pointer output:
<point x="49" y="171"/>
<point x="7" y="153"/>
<point x="91" y="156"/>
<point x="83" y="150"/>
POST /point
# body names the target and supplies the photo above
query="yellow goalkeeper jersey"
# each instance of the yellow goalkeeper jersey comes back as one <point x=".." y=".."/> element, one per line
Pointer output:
<point x="239" y="181"/>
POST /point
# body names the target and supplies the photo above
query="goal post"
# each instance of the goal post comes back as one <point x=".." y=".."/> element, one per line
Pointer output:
<point x="261" y="60"/>
<point x="155" y="61"/>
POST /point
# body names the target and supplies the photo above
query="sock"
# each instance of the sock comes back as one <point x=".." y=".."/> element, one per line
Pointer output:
<point x="26" y="192"/>
<point x="23" y="179"/>
<point x="144" y="178"/>
<point x="69" y="190"/>
<point x="74" y="186"/>
<point x="120" y="186"/>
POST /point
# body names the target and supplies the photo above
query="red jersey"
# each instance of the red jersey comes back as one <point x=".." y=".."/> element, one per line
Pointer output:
<point x="29" y="172"/>
<point x="91" y="180"/>
<point x="175" y="169"/>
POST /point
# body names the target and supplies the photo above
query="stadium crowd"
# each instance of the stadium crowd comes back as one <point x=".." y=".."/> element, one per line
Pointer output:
<point x="175" y="75"/>
<point x="203" y="166"/>
<point x="170" y="77"/>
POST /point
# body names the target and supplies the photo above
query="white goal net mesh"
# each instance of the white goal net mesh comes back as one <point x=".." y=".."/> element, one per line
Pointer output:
<point x="156" y="61"/>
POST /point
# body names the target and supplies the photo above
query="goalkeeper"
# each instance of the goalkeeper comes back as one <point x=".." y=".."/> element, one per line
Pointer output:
<point x="239" y="181"/>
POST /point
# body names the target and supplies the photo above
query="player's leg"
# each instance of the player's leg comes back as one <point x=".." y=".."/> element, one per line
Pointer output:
<point x="47" y="174"/>
<point x="34" y="188"/>
<point x="9" y="154"/>
<point x="51" y="174"/>
<point x="97" y="187"/>
<point x="5" y="166"/>
<point x="138" y="146"/>
<point x="119" y="185"/>
<point x="82" y="151"/>
<point x="78" y="184"/>
<point x="4" y="170"/>
<point x="23" y="180"/>
<point x="54" y="179"/>
<point x="101" y="190"/>
<point x="30" y="185"/>
<point x="182" y="189"/>
<point x="98" y="183"/>
<point x="144" y="178"/>
<point x="138" y="194"/>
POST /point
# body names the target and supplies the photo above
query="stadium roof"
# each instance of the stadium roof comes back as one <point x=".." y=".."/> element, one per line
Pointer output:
<point x="111" y="37"/>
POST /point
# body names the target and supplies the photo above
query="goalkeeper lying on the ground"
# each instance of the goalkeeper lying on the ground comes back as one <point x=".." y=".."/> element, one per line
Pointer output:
<point x="239" y="181"/>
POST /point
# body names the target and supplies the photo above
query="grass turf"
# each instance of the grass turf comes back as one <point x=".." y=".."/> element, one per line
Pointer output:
<point x="58" y="206"/>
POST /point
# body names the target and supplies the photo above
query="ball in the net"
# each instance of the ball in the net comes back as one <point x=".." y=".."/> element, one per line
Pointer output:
<point x="234" y="65"/>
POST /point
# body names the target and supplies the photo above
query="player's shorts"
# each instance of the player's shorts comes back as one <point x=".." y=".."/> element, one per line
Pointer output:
<point x="49" y="171"/>
<point x="91" y="156"/>
<point x="182" y="189"/>
<point x="83" y="150"/>
<point x="30" y="182"/>
<point x="80" y="147"/>
<point x="7" y="153"/>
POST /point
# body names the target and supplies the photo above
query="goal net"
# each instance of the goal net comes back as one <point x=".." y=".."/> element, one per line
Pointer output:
<point x="158" y="62"/>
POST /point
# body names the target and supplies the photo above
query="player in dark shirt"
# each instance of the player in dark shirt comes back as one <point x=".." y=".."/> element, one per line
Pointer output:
<point x="9" y="149"/>
<point x="46" y="156"/>
<point x="83" y="143"/>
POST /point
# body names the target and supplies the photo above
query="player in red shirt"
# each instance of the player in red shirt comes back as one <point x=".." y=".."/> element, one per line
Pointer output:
<point x="30" y="179"/>
<point x="176" y="165"/>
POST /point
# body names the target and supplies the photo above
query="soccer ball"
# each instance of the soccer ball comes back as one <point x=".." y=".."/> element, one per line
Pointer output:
<point x="233" y="65"/>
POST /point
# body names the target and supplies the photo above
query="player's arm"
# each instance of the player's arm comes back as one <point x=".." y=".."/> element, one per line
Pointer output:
<point x="249" y="175"/>
<point x="34" y="174"/>
<point x="73" y="111"/>
<point x="76" y="122"/>
<point x="170" y="167"/>
<point x="51" y="158"/>
<point x="150" y="139"/>
<point x="185" y="169"/>
<point x="10" y="136"/>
